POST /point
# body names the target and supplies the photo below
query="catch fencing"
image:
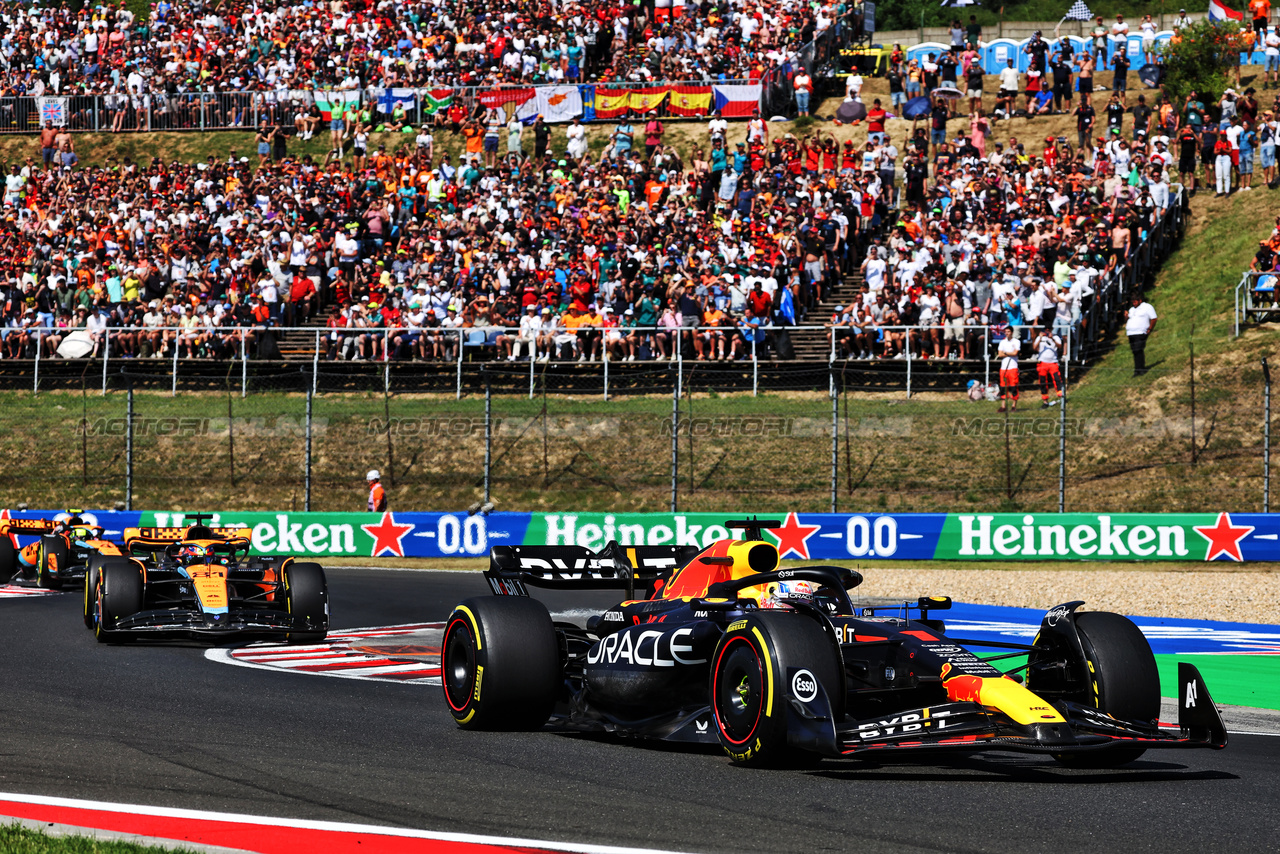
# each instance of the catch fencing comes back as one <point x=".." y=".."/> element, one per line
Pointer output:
<point x="839" y="436"/>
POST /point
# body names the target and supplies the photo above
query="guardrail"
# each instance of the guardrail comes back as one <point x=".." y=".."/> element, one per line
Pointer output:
<point x="1249" y="301"/>
<point x="210" y="110"/>
<point x="651" y="344"/>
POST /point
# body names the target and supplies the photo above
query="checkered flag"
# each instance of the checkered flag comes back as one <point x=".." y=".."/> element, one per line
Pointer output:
<point x="1079" y="12"/>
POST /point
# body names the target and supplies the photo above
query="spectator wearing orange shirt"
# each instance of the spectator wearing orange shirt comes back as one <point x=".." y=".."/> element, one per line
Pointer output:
<point x="377" y="495"/>
<point x="711" y="341"/>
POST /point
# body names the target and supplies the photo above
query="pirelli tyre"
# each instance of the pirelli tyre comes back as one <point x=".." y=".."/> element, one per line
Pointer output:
<point x="119" y="595"/>
<point x="92" y="571"/>
<point x="306" y="596"/>
<point x="8" y="559"/>
<point x="500" y="663"/>
<point x="54" y="556"/>
<point x="752" y="672"/>
<point x="1125" y="681"/>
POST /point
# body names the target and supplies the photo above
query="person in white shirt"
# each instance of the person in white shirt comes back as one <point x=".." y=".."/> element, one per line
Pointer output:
<point x="1047" y="348"/>
<point x="1139" y="323"/>
<point x="1008" y="351"/>
<point x="717" y="127"/>
<point x="1148" y="30"/>
<point x="853" y="87"/>
<point x="873" y="269"/>
<point x="1271" y="44"/>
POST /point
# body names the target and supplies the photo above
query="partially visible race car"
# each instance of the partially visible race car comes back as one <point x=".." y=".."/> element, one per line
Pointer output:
<point x="60" y="553"/>
<point x="779" y="666"/>
<point x="202" y="582"/>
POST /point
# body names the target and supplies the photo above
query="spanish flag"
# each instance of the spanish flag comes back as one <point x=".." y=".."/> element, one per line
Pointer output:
<point x="644" y="100"/>
<point x="611" y="103"/>
<point x="690" y="101"/>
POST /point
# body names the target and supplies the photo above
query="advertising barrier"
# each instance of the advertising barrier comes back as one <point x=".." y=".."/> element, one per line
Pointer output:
<point x="803" y="536"/>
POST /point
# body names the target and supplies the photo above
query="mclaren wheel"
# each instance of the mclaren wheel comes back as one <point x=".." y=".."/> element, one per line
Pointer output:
<point x="8" y="559"/>
<point x="54" y="556"/>
<point x="306" y="596"/>
<point x="92" y="572"/>
<point x="752" y="673"/>
<point x="118" y="595"/>
<point x="500" y="663"/>
<point x="1125" y="681"/>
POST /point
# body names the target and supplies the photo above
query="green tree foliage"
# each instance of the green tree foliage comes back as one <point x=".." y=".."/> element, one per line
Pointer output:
<point x="1198" y="61"/>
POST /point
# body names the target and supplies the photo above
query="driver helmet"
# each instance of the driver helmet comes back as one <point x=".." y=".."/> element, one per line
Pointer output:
<point x="191" y="550"/>
<point x="779" y="595"/>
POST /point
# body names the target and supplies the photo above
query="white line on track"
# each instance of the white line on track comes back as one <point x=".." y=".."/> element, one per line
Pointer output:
<point x="329" y="826"/>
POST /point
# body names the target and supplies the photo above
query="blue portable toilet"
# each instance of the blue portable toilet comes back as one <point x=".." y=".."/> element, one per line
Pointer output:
<point x="996" y="52"/>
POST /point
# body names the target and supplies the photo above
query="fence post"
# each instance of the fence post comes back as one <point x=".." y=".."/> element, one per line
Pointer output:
<point x="306" y="465"/>
<point x="106" y="356"/>
<point x="986" y="358"/>
<point x="244" y="366"/>
<point x="386" y="361"/>
<point x="128" y="451"/>
<point x="533" y="362"/>
<point x="1266" y="437"/>
<point x="675" y="438"/>
<point x="1062" y="434"/>
<point x="488" y="433"/>
<point x="459" y="386"/>
<point x="177" y="345"/>
<point x="35" y="386"/>
<point x="908" y="360"/>
<point x="835" y="437"/>
<point x="315" y="364"/>
<point x="604" y="357"/>
<point x="755" y="368"/>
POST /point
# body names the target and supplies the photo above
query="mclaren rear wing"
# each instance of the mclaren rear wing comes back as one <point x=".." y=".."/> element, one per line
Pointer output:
<point x="614" y="567"/>
<point x="154" y="539"/>
<point x="27" y="527"/>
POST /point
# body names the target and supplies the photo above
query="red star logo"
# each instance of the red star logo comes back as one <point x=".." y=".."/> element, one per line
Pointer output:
<point x="387" y="536"/>
<point x="1224" y="538"/>
<point x="794" y="537"/>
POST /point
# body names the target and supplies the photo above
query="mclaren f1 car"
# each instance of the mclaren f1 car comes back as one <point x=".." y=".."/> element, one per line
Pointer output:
<point x="59" y="550"/>
<point x="779" y="666"/>
<point x="202" y="582"/>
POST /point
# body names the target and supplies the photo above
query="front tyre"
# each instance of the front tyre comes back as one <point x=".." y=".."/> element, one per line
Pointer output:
<point x="306" y="596"/>
<point x="8" y="559"/>
<point x="1125" y="681"/>
<point x="91" y="574"/>
<point x="119" y="595"/>
<point x="500" y="663"/>
<point x="749" y="683"/>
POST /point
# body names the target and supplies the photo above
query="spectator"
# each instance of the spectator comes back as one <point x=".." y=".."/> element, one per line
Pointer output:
<point x="1140" y="323"/>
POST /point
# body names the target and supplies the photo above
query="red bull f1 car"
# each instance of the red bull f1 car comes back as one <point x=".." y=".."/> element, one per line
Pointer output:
<point x="59" y="550"/>
<point x="778" y="665"/>
<point x="202" y="582"/>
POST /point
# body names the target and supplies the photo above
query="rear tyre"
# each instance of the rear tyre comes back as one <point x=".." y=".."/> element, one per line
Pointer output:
<point x="306" y="596"/>
<point x="119" y="595"/>
<point x="1126" y="682"/>
<point x="53" y="559"/>
<point x="749" y="685"/>
<point x="500" y="663"/>
<point x="8" y="559"/>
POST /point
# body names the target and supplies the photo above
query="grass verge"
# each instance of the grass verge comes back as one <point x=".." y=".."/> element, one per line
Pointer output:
<point x="17" y="839"/>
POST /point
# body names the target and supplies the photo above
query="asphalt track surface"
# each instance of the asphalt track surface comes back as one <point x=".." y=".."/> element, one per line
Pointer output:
<point x="159" y="725"/>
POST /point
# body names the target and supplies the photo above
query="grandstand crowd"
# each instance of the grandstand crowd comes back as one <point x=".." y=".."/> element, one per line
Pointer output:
<point x="535" y="253"/>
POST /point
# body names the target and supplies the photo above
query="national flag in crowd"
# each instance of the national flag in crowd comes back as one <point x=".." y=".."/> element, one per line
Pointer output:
<point x="554" y="103"/>
<point x="1079" y="12"/>
<point x="734" y="101"/>
<point x="387" y="100"/>
<point x="53" y="110"/>
<point x="436" y="100"/>
<point x="336" y="102"/>
<point x="1219" y="12"/>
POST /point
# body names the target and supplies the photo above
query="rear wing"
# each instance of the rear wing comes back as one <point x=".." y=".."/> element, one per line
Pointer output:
<point x="27" y="526"/>
<point x="615" y="567"/>
<point x="157" y="538"/>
